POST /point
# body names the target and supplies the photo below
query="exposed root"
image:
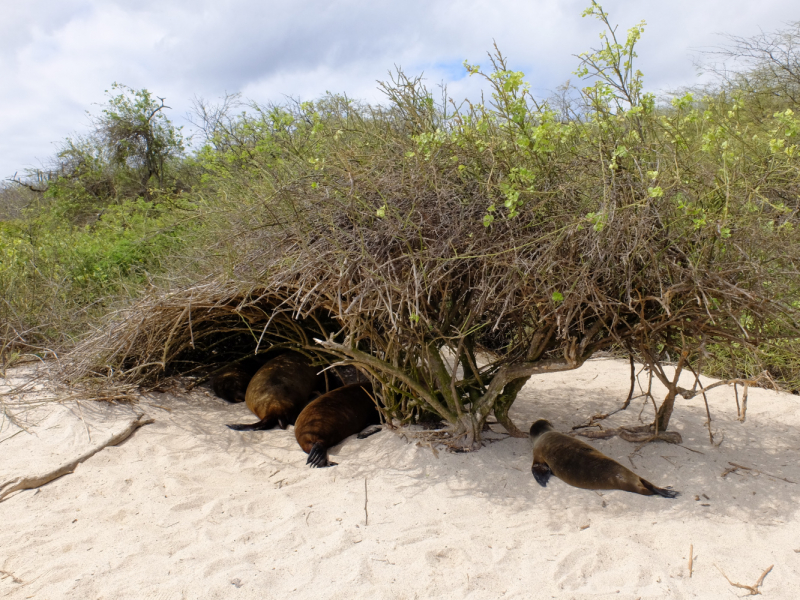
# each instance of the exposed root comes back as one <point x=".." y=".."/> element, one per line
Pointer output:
<point x="511" y="428"/>
<point x="637" y="435"/>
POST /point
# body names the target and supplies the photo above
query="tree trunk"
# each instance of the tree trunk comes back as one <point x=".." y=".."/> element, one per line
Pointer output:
<point x="664" y="412"/>
<point x="467" y="432"/>
<point x="503" y="404"/>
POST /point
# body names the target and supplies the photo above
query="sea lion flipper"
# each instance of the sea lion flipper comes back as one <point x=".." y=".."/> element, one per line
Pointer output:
<point x="332" y="418"/>
<point x="318" y="456"/>
<point x="263" y="424"/>
<point x="282" y="423"/>
<point x="541" y="472"/>
<point x="371" y="430"/>
<point x="667" y="492"/>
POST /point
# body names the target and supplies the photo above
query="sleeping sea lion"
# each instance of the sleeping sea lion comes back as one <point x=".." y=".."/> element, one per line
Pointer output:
<point x="580" y="465"/>
<point x="332" y="417"/>
<point x="279" y="391"/>
<point x="230" y="383"/>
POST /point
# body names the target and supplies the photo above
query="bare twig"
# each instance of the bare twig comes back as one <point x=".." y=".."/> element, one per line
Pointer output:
<point x="744" y="403"/>
<point x="734" y="467"/>
<point x="14" y="578"/>
<point x="752" y="589"/>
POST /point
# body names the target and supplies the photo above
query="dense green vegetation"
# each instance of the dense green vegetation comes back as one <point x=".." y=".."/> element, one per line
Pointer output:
<point x="111" y="212"/>
<point x="508" y="237"/>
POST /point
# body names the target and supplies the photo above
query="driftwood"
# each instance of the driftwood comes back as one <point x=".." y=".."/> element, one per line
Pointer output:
<point x="27" y="483"/>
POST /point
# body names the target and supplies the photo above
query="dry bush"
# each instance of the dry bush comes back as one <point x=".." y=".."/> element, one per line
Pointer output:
<point x="414" y="237"/>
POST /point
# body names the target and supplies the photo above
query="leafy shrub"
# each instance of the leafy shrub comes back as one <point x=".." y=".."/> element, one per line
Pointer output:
<point x="460" y="249"/>
<point x="56" y="277"/>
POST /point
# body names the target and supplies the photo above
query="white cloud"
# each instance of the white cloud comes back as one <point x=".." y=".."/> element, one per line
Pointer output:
<point x="56" y="59"/>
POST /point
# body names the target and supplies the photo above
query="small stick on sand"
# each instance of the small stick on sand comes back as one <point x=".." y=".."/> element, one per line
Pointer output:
<point x="4" y="574"/>
<point x="691" y="559"/>
<point x="11" y="436"/>
<point x="736" y="467"/>
<point x="744" y="404"/>
<point x="708" y="420"/>
<point x="752" y="589"/>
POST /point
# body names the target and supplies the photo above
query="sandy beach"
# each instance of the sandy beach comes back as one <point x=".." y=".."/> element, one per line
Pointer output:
<point x="186" y="508"/>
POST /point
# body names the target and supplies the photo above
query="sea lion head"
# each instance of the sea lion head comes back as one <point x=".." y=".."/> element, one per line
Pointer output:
<point x="539" y="427"/>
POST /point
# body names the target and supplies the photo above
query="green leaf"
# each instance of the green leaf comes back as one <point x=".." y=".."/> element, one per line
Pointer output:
<point x="557" y="297"/>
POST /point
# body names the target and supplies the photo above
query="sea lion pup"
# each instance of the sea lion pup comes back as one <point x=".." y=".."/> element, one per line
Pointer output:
<point x="334" y="416"/>
<point x="279" y="391"/>
<point x="577" y="463"/>
<point x="230" y="383"/>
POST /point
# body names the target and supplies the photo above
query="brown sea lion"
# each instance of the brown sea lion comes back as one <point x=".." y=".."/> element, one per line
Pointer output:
<point x="230" y="383"/>
<point x="579" y="464"/>
<point x="334" y="416"/>
<point x="279" y="391"/>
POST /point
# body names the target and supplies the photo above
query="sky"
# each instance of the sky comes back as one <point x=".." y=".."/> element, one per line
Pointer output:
<point x="58" y="57"/>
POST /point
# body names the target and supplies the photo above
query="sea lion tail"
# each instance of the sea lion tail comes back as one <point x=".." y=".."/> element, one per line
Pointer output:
<point x="262" y="425"/>
<point x="371" y="430"/>
<point x="667" y="492"/>
<point x="318" y="456"/>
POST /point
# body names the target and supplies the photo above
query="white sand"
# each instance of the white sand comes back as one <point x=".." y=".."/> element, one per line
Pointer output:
<point x="186" y="508"/>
